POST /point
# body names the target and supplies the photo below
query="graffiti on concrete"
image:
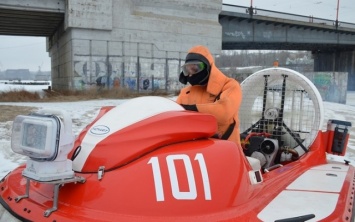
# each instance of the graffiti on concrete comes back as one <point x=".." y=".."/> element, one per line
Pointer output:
<point x="331" y="85"/>
<point x="235" y="34"/>
<point x="267" y="34"/>
<point x="151" y="77"/>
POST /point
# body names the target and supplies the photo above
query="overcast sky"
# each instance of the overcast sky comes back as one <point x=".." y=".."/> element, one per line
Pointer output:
<point x="326" y="9"/>
<point x="30" y="52"/>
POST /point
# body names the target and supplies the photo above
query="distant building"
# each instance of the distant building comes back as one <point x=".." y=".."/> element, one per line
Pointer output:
<point x="17" y="74"/>
<point x="43" y="76"/>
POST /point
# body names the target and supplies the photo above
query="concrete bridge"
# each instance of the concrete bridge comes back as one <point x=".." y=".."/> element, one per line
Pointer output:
<point x="127" y="40"/>
<point x="332" y="43"/>
<point x="282" y="31"/>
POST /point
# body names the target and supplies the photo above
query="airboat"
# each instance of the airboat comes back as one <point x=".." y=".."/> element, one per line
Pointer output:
<point x="148" y="159"/>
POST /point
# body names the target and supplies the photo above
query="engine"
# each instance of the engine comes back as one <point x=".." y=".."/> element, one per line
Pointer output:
<point x="262" y="148"/>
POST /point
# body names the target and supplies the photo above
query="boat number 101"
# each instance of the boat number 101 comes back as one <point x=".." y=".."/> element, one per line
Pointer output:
<point x="177" y="194"/>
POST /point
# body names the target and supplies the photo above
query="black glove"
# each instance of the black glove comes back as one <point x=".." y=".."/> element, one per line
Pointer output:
<point x="190" y="107"/>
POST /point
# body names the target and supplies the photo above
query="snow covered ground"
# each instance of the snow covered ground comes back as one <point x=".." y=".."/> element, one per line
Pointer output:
<point x="83" y="112"/>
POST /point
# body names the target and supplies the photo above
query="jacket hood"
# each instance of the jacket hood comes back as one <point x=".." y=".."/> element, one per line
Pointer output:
<point x="217" y="79"/>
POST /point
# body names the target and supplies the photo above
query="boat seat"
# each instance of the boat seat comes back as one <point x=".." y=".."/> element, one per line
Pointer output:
<point x="254" y="163"/>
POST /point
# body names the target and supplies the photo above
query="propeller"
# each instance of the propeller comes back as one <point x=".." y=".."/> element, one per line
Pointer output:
<point x="284" y="104"/>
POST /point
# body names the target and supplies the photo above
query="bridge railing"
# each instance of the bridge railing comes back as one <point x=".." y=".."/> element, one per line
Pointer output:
<point x="288" y="16"/>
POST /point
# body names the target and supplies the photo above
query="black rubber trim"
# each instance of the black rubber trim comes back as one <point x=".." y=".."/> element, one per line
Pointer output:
<point x="4" y="204"/>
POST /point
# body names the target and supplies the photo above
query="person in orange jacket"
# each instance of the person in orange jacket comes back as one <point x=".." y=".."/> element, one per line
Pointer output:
<point x="210" y="91"/>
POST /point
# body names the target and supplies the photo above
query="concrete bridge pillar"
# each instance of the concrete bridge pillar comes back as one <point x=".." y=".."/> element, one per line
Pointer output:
<point x="132" y="42"/>
<point x="337" y="62"/>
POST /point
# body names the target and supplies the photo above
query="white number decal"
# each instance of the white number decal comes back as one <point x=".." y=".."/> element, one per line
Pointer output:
<point x="157" y="178"/>
<point x="177" y="194"/>
<point x="204" y="173"/>
<point x="189" y="195"/>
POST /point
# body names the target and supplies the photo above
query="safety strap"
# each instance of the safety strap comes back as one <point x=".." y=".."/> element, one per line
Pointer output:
<point x="230" y="129"/>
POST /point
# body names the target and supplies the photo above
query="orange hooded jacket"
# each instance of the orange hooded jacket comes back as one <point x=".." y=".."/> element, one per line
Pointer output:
<point x="221" y="97"/>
